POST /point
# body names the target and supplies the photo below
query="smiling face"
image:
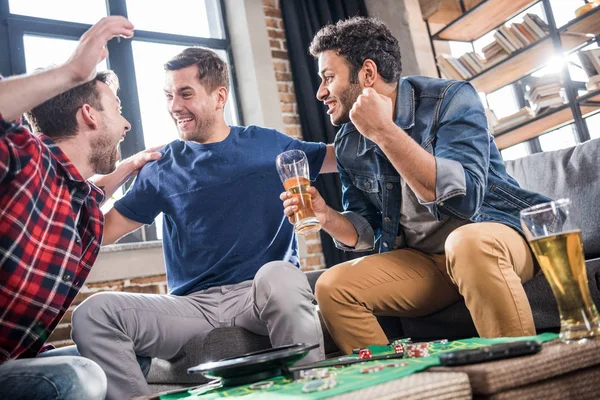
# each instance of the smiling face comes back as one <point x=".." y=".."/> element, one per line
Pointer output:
<point x="193" y="110"/>
<point x="113" y="127"/>
<point x="336" y="89"/>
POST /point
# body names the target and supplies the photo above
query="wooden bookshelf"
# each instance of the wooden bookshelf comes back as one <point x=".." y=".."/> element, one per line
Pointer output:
<point x="538" y="126"/>
<point x="481" y="19"/>
<point x="576" y="34"/>
<point x="522" y="63"/>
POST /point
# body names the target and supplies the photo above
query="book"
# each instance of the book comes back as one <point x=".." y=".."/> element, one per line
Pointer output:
<point x="593" y="83"/>
<point x="511" y="37"/>
<point x="520" y="35"/>
<point x="586" y="64"/>
<point x="446" y="68"/>
<point x="464" y="73"/>
<point x="594" y="56"/>
<point x="504" y="43"/>
<point x="530" y="20"/>
<point x="525" y="32"/>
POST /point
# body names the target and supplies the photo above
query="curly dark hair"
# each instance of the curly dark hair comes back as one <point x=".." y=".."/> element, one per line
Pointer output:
<point x="212" y="70"/>
<point x="57" y="117"/>
<point x="358" y="39"/>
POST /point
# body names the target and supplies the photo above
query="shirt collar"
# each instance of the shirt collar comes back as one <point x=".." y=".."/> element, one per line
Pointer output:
<point x="70" y="170"/>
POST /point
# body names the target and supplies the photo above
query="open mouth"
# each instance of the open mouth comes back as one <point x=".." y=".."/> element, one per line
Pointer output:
<point x="184" y="123"/>
<point x="332" y="106"/>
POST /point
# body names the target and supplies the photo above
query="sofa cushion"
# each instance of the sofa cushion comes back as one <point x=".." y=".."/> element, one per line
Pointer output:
<point x="210" y="346"/>
<point x="572" y="173"/>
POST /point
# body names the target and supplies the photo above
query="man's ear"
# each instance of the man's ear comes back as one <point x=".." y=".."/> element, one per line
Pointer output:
<point x="222" y="95"/>
<point x="369" y="72"/>
<point x="89" y="115"/>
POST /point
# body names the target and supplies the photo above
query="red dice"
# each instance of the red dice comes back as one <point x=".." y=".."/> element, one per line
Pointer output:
<point x="399" y="348"/>
<point x="365" y="354"/>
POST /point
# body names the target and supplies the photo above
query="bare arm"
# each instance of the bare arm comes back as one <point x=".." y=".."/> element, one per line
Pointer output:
<point x="125" y="170"/>
<point x="116" y="226"/>
<point x="22" y="93"/>
<point x="329" y="163"/>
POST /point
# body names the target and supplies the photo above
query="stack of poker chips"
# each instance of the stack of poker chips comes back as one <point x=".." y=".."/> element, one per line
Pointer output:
<point x="417" y="350"/>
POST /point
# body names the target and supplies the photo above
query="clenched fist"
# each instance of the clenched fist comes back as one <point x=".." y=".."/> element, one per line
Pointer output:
<point x="372" y="114"/>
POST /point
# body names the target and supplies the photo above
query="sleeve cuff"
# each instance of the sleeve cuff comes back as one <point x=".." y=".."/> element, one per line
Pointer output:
<point x="450" y="182"/>
<point x="127" y="213"/>
<point x="366" y="236"/>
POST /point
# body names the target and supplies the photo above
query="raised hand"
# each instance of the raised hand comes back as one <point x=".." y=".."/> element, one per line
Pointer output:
<point x="92" y="47"/>
<point x="372" y="114"/>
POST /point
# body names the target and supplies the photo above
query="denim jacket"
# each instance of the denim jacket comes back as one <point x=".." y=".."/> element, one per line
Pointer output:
<point x="447" y="119"/>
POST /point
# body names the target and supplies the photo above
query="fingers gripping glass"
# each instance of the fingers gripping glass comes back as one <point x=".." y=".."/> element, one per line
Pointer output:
<point x="555" y="238"/>
<point x="293" y="170"/>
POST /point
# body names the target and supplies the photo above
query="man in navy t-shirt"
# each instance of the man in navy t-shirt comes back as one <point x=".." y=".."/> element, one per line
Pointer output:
<point x="231" y="256"/>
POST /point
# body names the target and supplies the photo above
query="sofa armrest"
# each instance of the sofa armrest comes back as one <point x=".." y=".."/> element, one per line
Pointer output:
<point x="313" y="276"/>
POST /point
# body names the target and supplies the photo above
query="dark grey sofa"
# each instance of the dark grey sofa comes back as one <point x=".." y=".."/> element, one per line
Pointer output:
<point x="572" y="173"/>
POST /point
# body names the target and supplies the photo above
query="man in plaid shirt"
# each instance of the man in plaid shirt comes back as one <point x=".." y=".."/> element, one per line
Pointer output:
<point x="50" y="219"/>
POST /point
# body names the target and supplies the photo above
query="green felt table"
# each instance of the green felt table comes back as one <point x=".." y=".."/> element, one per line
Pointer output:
<point x="348" y="378"/>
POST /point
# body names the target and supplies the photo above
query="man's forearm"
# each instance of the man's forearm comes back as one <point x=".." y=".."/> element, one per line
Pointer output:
<point x="21" y="93"/>
<point x="340" y="228"/>
<point x="416" y="166"/>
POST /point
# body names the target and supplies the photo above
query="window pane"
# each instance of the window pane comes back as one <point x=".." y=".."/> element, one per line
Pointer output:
<point x="558" y="139"/>
<point x="593" y="124"/>
<point x="564" y="11"/>
<point x="87" y="12"/>
<point x="503" y="102"/>
<point x="516" y="151"/>
<point x="183" y="17"/>
<point x="149" y="59"/>
<point x="41" y="52"/>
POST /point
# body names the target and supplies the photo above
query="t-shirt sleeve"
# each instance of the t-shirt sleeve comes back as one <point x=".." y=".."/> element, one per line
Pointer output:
<point x="142" y="202"/>
<point x="315" y="153"/>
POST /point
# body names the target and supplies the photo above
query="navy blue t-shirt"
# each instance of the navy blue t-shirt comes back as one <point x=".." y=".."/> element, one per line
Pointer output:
<point x="223" y="218"/>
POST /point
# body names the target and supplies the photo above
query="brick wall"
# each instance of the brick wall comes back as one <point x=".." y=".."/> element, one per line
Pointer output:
<point x="311" y="252"/>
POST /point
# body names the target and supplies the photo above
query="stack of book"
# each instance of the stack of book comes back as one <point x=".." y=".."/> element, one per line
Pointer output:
<point x="520" y="35"/>
<point x="462" y="68"/>
<point x="504" y="124"/>
<point x="545" y="92"/>
<point x="590" y="62"/>
<point x="507" y="40"/>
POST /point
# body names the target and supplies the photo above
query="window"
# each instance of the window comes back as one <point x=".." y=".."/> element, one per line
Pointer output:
<point x="38" y="33"/>
<point x="517" y="151"/>
<point x="558" y="139"/>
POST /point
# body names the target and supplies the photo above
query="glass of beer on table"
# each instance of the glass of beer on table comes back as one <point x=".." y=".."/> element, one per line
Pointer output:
<point x="292" y="166"/>
<point x="555" y="238"/>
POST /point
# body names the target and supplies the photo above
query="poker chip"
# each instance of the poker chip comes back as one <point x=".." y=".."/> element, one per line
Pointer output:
<point x="397" y="364"/>
<point x="371" y="369"/>
<point x="400" y="341"/>
<point x="364" y="354"/>
<point x="317" y="373"/>
<point x="261" y="385"/>
<point x="319" y="385"/>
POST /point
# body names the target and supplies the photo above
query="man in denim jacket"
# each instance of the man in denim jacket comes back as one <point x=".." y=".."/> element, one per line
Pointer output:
<point x="422" y="178"/>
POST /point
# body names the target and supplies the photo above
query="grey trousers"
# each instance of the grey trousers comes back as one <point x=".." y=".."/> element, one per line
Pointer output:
<point x="111" y="328"/>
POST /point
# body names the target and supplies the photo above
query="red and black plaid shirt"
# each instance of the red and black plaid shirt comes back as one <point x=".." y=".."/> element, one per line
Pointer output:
<point x="50" y="235"/>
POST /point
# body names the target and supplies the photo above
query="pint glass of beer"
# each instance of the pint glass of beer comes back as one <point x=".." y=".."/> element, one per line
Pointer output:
<point x="292" y="166"/>
<point x="555" y="238"/>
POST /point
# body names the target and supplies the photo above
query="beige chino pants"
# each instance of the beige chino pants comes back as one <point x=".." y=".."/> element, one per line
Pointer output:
<point x="484" y="263"/>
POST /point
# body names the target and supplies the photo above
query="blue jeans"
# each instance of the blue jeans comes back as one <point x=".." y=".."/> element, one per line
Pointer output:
<point x="52" y="377"/>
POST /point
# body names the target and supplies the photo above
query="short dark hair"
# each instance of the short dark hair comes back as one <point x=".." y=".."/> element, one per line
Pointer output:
<point x="358" y="39"/>
<point x="57" y="117"/>
<point x="212" y="70"/>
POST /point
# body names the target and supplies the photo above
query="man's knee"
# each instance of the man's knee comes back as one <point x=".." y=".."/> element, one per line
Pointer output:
<point x="89" y="380"/>
<point x="93" y="311"/>
<point x="280" y="276"/>
<point x="329" y="283"/>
